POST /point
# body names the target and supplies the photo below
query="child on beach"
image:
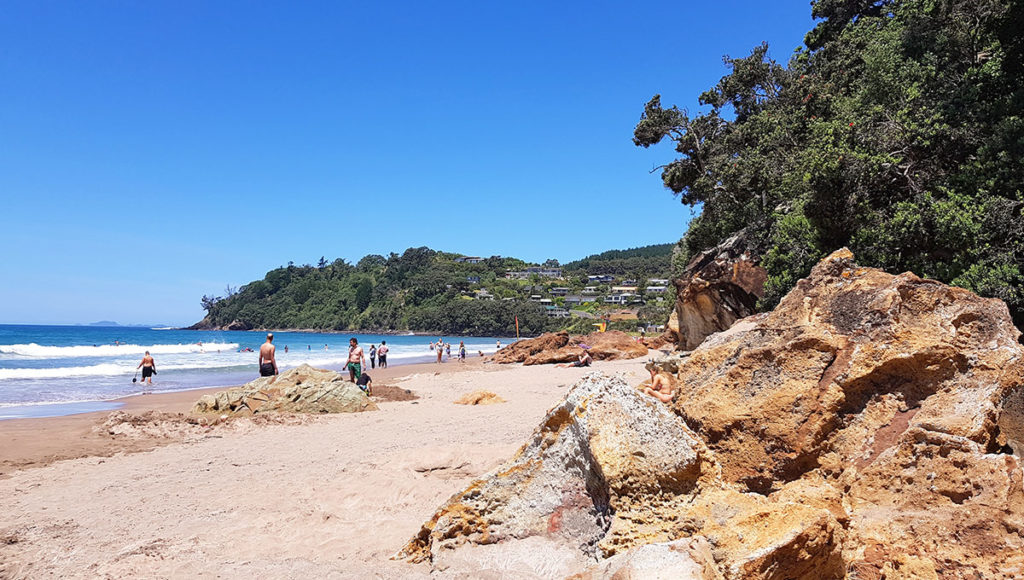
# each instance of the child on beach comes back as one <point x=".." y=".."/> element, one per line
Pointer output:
<point x="661" y="386"/>
<point x="462" y="351"/>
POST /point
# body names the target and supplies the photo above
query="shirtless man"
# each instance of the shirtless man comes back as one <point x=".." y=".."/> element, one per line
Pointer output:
<point x="148" y="366"/>
<point x="661" y="387"/>
<point x="268" y="364"/>
<point x="356" y="360"/>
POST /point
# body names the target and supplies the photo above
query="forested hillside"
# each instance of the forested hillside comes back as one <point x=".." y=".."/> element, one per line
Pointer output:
<point x="430" y="291"/>
<point x="897" y="130"/>
<point x="644" y="262"/>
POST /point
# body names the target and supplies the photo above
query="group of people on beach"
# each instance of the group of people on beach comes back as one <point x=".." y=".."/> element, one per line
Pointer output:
<point x="355" y="363"/>
<point x="660" y="388"/>
<point x="445" y="348"/>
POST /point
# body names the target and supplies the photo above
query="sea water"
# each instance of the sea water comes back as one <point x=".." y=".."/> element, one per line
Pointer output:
<point x="58" y="370"/>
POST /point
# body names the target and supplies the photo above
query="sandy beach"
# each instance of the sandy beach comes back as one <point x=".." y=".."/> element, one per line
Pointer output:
<point x="325" y="497"/>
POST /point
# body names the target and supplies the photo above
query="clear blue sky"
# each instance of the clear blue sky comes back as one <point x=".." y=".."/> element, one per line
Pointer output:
<point x="155" y="151"/>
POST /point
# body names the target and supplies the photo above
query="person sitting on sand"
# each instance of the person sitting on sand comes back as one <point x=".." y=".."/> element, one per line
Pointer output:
<point x="661" y="386"/>
<point x="268" y="362"/>
<point x="365" y="383"/>
<point x="584" y="361"/>
<point x="356" y="360"/>
<point x="148" y="368"/>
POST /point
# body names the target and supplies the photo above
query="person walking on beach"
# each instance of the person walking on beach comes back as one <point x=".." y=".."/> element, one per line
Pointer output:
<point x="268" y="362"/>
<point x="382" y="354"/>
<point x="462" y="351"/>
<point x="447" y="351"/>
<point x="356" y="360"/>
<point x="373" y="356"/>
<point x="148" y="366"/>
<point x="439" y="349"/>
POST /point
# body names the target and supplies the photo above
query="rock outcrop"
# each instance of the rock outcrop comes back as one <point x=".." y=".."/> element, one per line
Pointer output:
<point x="870" y="427"/>
<point x="521" y="350"/>
<point x="303" y="389"/>
<point x="718" y="287"/>
<point x="559" y="347"/>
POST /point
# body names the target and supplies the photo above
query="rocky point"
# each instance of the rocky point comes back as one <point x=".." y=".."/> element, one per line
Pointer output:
<point x="870" y="427"/>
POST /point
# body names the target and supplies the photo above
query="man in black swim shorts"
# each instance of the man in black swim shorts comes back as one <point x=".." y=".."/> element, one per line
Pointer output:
<point x="148" y="368"/>
<point x="268" y="364"/>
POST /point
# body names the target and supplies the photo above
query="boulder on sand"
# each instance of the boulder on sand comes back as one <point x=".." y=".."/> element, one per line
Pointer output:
<point x="559" y="347"/>
<point x="520" y="350"/>
<point x="870" y="427"/>
<point x="611" y="345"/>
<point x="303" y="389"/>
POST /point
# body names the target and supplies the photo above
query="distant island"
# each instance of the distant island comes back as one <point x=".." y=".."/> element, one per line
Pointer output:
<point x="112" y="324"/>
<point x="425" y="290"/>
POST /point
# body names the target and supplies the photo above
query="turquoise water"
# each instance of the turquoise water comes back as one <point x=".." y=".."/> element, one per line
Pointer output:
<point x="59" y="370"/>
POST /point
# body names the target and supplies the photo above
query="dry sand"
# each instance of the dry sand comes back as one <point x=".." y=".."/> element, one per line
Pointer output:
<point x="318" y="497"/>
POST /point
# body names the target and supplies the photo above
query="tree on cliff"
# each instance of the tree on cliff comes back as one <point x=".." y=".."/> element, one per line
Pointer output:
<point x="897" y="130"/>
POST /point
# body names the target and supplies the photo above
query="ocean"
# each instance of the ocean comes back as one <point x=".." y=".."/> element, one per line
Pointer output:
<point x="48" y="371"/>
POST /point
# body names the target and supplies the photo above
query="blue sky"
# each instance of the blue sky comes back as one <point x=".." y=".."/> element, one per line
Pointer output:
<point x="152" y="152"/>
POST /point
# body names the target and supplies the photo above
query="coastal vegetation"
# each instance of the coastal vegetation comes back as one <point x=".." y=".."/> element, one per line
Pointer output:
<point x="897" y="131"/>
<point x="430" y="291"/>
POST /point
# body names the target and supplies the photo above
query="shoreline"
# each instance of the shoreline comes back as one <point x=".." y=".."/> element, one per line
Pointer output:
<point x="39" y="441"/>
<point x="357" y="332"/>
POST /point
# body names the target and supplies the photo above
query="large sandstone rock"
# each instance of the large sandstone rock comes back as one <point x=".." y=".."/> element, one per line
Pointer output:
<point x="610" y="345"/>
<point x="559" y="347"/>
<point x="904" y="395"/>
<point x="520" y="350"/>
<point x="870" y="427"/>
<point x="303" y="389"/>
<point x="603" y="449"/>
<point x="718" y="287"/>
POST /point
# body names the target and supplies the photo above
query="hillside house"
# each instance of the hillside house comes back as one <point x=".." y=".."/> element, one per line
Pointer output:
<point x="577" y="299"/>
<point x="468" y="260"/>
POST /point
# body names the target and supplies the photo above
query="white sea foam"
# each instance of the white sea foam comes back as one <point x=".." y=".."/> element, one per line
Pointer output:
<point x="106" y="370"/>
<point x="34" y="350"/>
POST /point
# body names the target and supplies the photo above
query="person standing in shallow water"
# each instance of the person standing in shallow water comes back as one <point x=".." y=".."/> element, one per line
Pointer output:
<point x="268" y="362"/>
<point x="382" y="354"/>
<point x="148" y="366"/>
<point x="373" y="356"/>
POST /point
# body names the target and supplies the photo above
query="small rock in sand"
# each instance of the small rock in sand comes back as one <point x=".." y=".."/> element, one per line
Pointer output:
<point x="479" y="398"/>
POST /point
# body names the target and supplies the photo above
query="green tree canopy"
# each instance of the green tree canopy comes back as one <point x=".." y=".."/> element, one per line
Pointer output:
<point x="898" y="130"/>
